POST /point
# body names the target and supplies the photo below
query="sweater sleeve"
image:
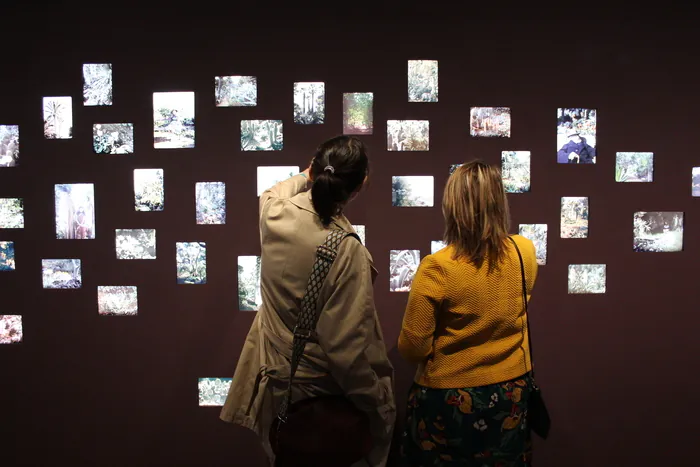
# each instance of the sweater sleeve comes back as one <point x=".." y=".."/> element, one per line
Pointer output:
<point x="424" y="301"/>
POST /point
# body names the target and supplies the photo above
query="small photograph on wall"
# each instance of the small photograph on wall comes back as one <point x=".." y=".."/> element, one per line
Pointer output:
<point x="149" y="190"/>
<point x="9" y="145"/>
<point x="269" y="176"/>
<point x="75" y="211"/>
<point x="587" y="278"/>
<point x="634" y="167"/>
<point x="11" y="213"/>
<point x="262" y="135"/>
<point x="117" y="300"/>
<point x="7" y="256"/>
<point x="135" y="243"/>
<point x="361" y="232"/>
<point x="403" y="265"/>
<point x="422" y="81"/>
<point x="695" y="183"/>
<point x="454" y="167"/>
<point x="58" y="117"/>
<point x="210" y="202"/>
<point x="490" y="122"/>
<point x="173" y="120"/>
<point x="515" y="170"/>
<point x="576" y="136"/>
<point x="213" y="391"/>
<point x="437" y="245"/>
<point x="574" y="217"/>
<point x="61" y="273"/>
<point x="191" y="262"/>
<point x="97" y="84"/>
<point x="412" y="191"/>
<point x="660" y="232"/>
<point x="10" y="329"/>
<point x="113" y="138"/>
<point x="537" y="233"/>
<point x="236" y="91"/>
<point x="358" y="118"/>
<point x="249" y="297"/>
<point x="408" y="135"/>
<point x="309" y="103"/>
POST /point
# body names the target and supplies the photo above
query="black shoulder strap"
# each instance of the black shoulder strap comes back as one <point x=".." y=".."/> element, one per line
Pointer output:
<point x="527" y="317"/>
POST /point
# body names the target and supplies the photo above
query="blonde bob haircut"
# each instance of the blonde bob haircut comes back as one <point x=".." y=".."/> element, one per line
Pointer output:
<point x="477" y="217"/>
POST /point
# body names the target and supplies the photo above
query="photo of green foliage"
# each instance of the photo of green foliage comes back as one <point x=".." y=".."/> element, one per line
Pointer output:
<point x="634" y="167"/>
<point x="149" y="190"/>
<point x="358" y="116"/>
<point x="422" y="81"/>
<point x="236" y="91"/>
<point x="191" y="260"/>
<point x="117" y="300"/>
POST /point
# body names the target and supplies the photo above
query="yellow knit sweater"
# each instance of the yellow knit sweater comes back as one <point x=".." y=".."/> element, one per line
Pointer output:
<point x="466" y="327"/>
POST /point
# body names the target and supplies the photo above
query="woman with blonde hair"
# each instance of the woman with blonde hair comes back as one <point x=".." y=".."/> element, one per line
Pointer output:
<point x="465" y="326"/>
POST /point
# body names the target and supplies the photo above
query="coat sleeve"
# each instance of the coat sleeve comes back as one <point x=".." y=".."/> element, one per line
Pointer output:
<point x="283" y="190"/>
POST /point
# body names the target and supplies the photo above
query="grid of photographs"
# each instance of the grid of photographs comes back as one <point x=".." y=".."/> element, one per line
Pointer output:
<point x="97" y="84"/>
<point x="149" y="190"/>
<point x="135" y="243"/>
<point x="173" y="120"/>
<point x="210" y="202"/>
<point x="191" y="258"/>
<point x="11" y="329"/>
<point x="490" y="122"/>
<point x="574" y="217"/>
<point x="213" y="391"/>
<point x="403" y="265"/>
<point x="117" y="300"/>
<point x="422" y="81"/>
<point x="11" y="213"/>
<point x="537" y="233"/>
<point x="61" y="273"/>
<point x="58" y="117"/>
<point x="408" y="135"/>
<point x="249" y="296"/>
<point x="576" y="136"/>
<point x="358" y="118"/>
<point x="262" y="135"/>
<point x="7" y="256"/>
<point x="9" y="145"/>
<point x="113" y="138"/>
<point x="587" y="278"/>
<point x="412" y="191"/>
<point x="660" y="232"/>
<point x="634" y="167"/>
<point x="515" y="171"/>
<point x="75" y="211"/>
<point x="236" y="91"/>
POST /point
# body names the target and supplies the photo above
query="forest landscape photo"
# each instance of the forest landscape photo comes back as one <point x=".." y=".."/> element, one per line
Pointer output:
<point x="97" y="84"/>
<point x="490" y="122"/>
<point x="75" y="211"/>
<point x="695" y="182"/>
<point x="61" y="273"/>
<point x="515" y="170"/>
<point x="403" y="265"/>
<point x="407" y="135"/>
<point x="191" y="259"/>
<point x="574" y="217"/>
<point x="117" y="300"/>
<point x="249" y="297"/>
<point x="11" y="213"/>
<point x="309" y="103"/>
<point x="7" y="256"/>
<point x="11" y="329"/>
<point x="660" y="232"/>
<point x="210" y="202"/>
<point x="9" y="145"/>
<point x="113" y="138"/>
<point x="412" y="191"/>
<point x="587" y="278"/>
<point x="262" y="135"/>
<point x="173" y="120"/>
<point x="58" y="117"/>
<point x="358" y="118"/>
<point x="537" y="234"/>
<point x="422" y="81"/>
<point x="236" y="91"/>
<point x="135" y="243"/>
<point x="634" y="167"/>
<point x="149" y="190"/>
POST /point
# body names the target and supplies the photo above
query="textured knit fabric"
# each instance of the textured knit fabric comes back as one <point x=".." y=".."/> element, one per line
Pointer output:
<point x="465" y="327"/>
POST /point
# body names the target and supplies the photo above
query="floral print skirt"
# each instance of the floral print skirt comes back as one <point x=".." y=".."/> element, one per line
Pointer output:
<point x="484" y="426"/>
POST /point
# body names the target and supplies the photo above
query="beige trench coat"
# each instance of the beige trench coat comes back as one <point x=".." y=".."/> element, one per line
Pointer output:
<point x="350" y="356"/>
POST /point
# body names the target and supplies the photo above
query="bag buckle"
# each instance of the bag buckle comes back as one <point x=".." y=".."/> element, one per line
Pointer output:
<point x="326" y="253"/>
<point x="302" y="333"/>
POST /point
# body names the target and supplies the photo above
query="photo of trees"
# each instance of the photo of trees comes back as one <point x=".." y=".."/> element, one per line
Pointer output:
<point x="403" y="265"/>
<point x="117" y="300"/>
<point x="660" y="232"/>
<point x="262" y="135"/>
<point x="634" y="167"/>
<point x="235" y="91"/>
<point x="9" y="145"/>
<point x="422" y="81"/>
<point x="11" y="213"/>
<point x="149" y="190"/>
<point x="58" y="117"/>
<point x="309" y="103"/>
<point x="412" y="191"/>
<point x="135" y="243"/>
<point x="173" y="120"/>
<point x="576" y="136"/>
<point x="537" y="233"/>
<point x="574" y="217"/>
<point x="437" y="245"/>
<point x="191" y="258"/>
<point x="213" y="391"/>
<point x="360" y="230"/>
<point x="7" y="256"/>
<point x="10" y="329"/>
<point x="113" y="138"/>
<point x="269" y="176"/>
<point x="75" y="211"/>
<point x="407" y="135"/>
<point x="695" y="183"/>
<point x="587" y="278"/>
<point x="61" y="273"/>
<point x="515" y="170"/>
<point x="97" y="84"/>
<point x="210" y="202"/>
<point x="358" y="116"/>
<point x="249" y="297"/>
<point x="490" y="122"/>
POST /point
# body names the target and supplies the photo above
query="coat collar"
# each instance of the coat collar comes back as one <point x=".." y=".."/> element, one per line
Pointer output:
<point x="303" y="201"/>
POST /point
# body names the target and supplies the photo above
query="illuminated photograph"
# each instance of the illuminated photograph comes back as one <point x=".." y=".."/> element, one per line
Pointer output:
<point x="403" y="265"/>
<point x="117" y="300"/>
<point x="422" y="81"/>
<point x="11" y="213"/>
<point x="191" y="262"/>
<point x="97" y="84"/>
<point x="149" y="190"/>
<point x="634" y="167"/>
<point x="249" y="297"/>
<point x="576" y="136"/>
<point x="236" y="91"/>
<point x="309" y="103"/>
<point x="9" y="145"/>
<point x="269" y="176"/>
<point x="173" y="120"/>
<point x="412" y="191"/>
<point x="537" y="233"/>
<point x="361" y="231"/>
<point x="10" y="329"/>
<point x="490" y="122"/>
<point x="587" y="278"/>
<point x="407" y="135"/>
<point x="574" y="217"/>
<point x="262" y="135"/>
<point x="75" y="211"/>
<point x="7" y="256"/>
<point x="213" y="391"/>
<point x="135" y="243"/>
<point x="61" y="273"/>
<point x="210" y="202"/>
<point x="515" y="170"/>
<point x="454" y="167"/>
<point x="58" y="117"/>
<point x="113" y="138"/>
<point x="660" y="232"/>
<point x="358" y="118"/>
<point x="437" y="245"/>
<point x="695" y="183"/>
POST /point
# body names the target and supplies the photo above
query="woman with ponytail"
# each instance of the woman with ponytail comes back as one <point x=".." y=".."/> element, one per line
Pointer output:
<point x="347" y="356"/>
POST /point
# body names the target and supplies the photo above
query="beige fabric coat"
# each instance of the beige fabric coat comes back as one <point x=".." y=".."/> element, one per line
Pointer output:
<point x="350" y="356"/>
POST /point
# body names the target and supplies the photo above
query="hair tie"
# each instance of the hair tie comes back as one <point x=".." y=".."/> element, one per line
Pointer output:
<point x="329" y="168"/>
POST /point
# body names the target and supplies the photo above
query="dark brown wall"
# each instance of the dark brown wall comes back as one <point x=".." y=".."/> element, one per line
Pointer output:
<point x="619" y="370"/>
